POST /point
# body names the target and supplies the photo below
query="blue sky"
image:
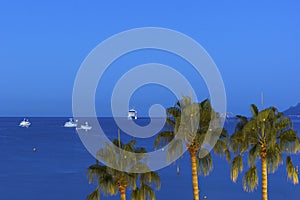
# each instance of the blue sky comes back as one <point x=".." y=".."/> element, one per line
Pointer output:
<point x="255" y="44"/>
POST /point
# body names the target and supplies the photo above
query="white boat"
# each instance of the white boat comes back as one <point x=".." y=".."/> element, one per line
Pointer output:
<point x="70" y="124"/>
<point x="25" y="123"/>
<point x="85" y="127"/>
<point x="132" y="114"/>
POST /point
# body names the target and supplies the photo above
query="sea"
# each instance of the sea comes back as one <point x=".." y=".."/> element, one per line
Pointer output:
<point x="48" y="161"/>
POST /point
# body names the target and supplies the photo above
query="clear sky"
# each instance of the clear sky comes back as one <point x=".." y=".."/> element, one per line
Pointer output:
<point x="255" y="44"/>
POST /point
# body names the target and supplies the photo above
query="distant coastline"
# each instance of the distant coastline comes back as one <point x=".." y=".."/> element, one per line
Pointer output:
<point x="293" y="111"/>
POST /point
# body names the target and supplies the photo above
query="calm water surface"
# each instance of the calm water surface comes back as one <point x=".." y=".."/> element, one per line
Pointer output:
<point x="57" y="170"/>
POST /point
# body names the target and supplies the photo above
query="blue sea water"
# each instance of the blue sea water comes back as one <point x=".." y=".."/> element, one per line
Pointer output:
<point x="58" y="169"/>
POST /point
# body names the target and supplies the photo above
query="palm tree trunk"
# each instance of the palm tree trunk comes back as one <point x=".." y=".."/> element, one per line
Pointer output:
<point x="194" y="174"/>
<point x="122" y="190"/>
<point x="264" y="183"/>
<point x="98" y="194"/>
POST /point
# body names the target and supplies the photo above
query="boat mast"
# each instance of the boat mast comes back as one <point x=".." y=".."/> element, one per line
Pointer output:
<point x="262" y="100"/>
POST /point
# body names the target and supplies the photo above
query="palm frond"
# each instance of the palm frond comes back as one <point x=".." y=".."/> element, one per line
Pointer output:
<point x="288" y="141"/>
<point x="139" y="166"/>
<point x="252" y="131"/>
<point x="250" y="179"/>
<point x="291" y="171"/>
<point x="241" y="123"/>
<point x="151" y="178"/>
<point x="175" y="149"/>
<point x="236" y="167"/>
<point x="263" y="115"/>
<point x="238" y="142"/>
<point x="274" y="158"/>
<point x="95" y="195"/>
<point x="174" y="112"/>
<point x="145" y="190"/>
<point x="254" y="110"/>
<point x="170" y="123"/>
<point x="163" y="139"/>
<point x="205" y="164"/>
<point x="95" y="171"/>
<point x="107" y="184"/>
<point x="136" y="194"/>
<point x="283" y="122"/>
<point x="221" y="149"/>
<point x="143" y="193"/>
<point x="254" y="154"/>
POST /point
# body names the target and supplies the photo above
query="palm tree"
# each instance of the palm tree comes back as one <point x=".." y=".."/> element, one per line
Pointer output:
<point x="111" y="181"/>
<point x="190" y="123"/>
<point x="267" y="136"/>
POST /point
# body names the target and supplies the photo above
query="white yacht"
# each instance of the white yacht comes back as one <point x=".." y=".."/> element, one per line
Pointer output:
<point x="132" y="114"/>
<point x="85" y="127"/>
<point x="70" y="124"/>
<point x="25" y="123"/>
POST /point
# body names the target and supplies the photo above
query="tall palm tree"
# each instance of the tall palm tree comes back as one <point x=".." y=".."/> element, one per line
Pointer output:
<point x="111" y="181"/>
<point x="267" y="136"/>
<point x="190" y="123"/>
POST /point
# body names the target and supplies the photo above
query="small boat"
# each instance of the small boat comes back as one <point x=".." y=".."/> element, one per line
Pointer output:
<point x="85" y="127"/>
<point x="70" y="124"/>
<point x="25" y="123"/>
<point x="132" y="114"/>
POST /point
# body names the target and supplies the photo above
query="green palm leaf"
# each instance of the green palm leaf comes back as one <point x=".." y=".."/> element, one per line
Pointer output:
<point x="291" y="171"/>
<point x="163" y="139"/>
<point x="250" y="180"/>
<point x="205" y="164"/>
<point x="95" y="195"/>
<point x="236" y="167"/>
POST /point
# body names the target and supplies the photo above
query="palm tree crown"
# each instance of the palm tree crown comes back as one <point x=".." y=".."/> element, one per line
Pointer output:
<point x="111" y="181"/>
<point x="190" y="124"/>
<point x="267" y="136"/>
